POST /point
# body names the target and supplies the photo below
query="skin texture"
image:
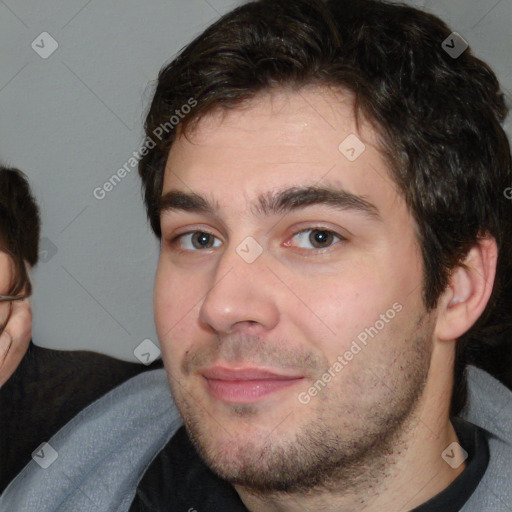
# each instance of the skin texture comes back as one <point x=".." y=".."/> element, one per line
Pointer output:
<point x="16" y="335"/>
<point x="372" y="437"/>
<point x="5" y="280"/>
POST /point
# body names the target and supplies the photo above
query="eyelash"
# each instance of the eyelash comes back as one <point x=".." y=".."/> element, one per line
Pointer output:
<point x="174" y="242"/>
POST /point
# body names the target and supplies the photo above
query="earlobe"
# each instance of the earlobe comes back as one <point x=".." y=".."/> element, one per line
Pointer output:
<point x="469" y="291"/>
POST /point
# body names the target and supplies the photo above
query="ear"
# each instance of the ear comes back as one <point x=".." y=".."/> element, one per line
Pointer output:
<point x="469" y="290"/>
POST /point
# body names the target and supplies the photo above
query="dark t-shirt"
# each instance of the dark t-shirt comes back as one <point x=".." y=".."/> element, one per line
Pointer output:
<point x="179" y="481"/>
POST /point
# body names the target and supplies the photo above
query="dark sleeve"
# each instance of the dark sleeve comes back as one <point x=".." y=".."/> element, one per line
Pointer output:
<point x="48" y="389"/>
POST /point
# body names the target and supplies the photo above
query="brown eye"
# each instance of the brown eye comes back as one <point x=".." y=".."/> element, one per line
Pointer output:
<point x="201" y="240"/>
<point x="316" y="238"/>
<point x="320" y="239"/>
<point x="195" y="240"/>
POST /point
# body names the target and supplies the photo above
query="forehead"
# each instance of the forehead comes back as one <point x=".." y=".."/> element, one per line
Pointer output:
<point x="279" y="139"/>
<point x="282" y="119"/>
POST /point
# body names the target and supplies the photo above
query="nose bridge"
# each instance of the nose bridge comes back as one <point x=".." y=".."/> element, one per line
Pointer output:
<point x="240" y="291"/>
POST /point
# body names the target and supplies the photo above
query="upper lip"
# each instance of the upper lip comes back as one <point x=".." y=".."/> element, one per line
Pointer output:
<point x="248" y="373"/>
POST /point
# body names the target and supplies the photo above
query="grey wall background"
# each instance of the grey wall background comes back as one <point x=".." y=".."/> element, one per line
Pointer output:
<point x="72" y="119"/>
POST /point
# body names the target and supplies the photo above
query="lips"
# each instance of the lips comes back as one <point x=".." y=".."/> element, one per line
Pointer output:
<point x="224" y="373"/>
<point x="245" y="385"/>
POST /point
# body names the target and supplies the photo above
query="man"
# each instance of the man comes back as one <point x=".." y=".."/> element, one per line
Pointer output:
<point x="334" y="244"/>
<point x="332" y="221"/>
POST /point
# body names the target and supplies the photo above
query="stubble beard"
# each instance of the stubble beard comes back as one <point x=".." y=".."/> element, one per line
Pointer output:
<point x="343" y="450"/>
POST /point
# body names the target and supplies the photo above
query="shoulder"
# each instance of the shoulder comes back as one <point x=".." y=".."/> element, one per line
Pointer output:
<point x="101" y="454"/>
<point x="489" y="404"/>
<point x="46" y="391"/>
<point x="490" y="407"/>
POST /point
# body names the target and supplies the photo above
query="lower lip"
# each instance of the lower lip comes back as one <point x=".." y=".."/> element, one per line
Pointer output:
<point x="247" y="391"/>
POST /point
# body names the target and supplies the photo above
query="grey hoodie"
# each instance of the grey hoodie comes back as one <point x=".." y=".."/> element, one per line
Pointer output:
<point x="95" y="462"/>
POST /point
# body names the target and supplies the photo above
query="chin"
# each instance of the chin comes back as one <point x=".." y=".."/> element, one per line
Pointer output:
<point x="263" y="464"/>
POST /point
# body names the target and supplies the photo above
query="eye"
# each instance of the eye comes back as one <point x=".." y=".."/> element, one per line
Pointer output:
<point x="318" y="237"/>
<point x="195" y="240"/>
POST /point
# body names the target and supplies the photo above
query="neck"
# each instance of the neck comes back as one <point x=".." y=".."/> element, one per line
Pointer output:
<point x="409" y="475"/>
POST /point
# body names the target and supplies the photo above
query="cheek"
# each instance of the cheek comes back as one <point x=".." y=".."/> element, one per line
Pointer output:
<point x="176" y="304"/>
<point x="171" y="298"/>
<point x="348" y="308"/>
<point x="161" y="301"/>
<point x="346" y="295"/>
<point x="166" y="307"/>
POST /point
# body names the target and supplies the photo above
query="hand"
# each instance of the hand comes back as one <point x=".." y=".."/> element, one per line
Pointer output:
<point x="15" y="339"/>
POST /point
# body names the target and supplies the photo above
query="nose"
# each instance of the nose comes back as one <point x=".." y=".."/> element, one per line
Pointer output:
<point x="242" y="294"/>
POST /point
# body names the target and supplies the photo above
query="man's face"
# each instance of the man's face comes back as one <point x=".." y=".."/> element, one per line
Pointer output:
<point x="254" y="307"/>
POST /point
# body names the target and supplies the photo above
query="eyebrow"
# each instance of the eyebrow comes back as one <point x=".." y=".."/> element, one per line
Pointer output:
<point x="274" y="203"/>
